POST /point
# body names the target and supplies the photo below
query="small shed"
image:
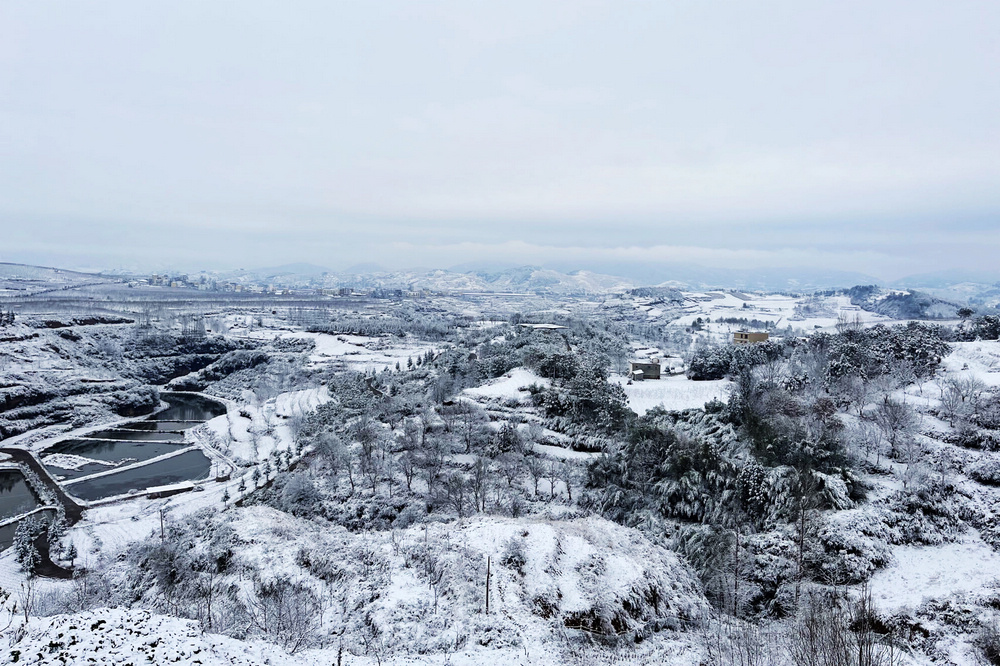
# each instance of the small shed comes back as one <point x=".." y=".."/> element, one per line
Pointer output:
<point x="172" y="489"/>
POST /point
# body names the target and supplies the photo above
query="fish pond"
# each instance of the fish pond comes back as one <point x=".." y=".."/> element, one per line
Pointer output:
<point x="16" y="497"/>
<point x="148" y="451"/>
<point x="191" y="465"/>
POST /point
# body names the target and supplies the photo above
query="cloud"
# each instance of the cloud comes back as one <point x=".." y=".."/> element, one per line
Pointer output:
<point x="847" y="134"/>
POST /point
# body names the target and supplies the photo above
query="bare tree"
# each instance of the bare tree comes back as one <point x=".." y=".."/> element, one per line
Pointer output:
<point x="962" y="397"/>
<point x="456" y="486"/>
<point x="480" y="483"/>
<point x="285" y="611"/>
<point x="820" y="636"/>
<point x="830" y="632"/>
<point x="431" y="460"/>
<point x="553" y="472"/>
<point x="858" y="391"/>
<point x="407" y="463"/>
<point x="511" y="467"/>
<point x="566" y="473"/>
<point x="537" y="470"/>
<point x="898" y="422"/>
<point x="468" y="424"/>
<point x="870" y="440"/>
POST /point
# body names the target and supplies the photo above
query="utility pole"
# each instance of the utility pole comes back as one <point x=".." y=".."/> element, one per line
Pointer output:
<point x="488" y="573"/>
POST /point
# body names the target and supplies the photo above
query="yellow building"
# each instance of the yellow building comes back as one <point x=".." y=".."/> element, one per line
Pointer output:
<point x="748" y="338"/>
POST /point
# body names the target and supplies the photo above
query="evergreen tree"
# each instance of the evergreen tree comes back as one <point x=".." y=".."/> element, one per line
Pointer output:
<point x="25" y="551"/>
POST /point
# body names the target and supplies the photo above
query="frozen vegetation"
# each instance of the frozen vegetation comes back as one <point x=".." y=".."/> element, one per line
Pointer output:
<point x="439" y="480"/>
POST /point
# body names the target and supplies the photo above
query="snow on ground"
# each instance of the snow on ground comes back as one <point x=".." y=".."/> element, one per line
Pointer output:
<point x="561" y="453"/>
<point x="360" y="352"/>
<point x="118" y="636"/>
<point x="920" y="573"/>
<point x="547" y="576"/>
<point x="300" y="403"/>
<point x="512" y="385"/>
<point x="675" y="392"/>
<point x="249" y="440"/>
<point x="565" y="572"/>
<point x="814" y="313"/>
<point x="981" y="359"/>
<point x="70" y="461"/>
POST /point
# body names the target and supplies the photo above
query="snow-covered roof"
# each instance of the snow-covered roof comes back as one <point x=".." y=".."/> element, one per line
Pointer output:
<point x="171" y="488"/>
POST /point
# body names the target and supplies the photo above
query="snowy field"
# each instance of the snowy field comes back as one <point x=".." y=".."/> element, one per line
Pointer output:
<point x="673" y="393"/>
<point x="358" y="352"/>
<point x="807" y="314"/>
<point x="979" y="359"/>
<point x="923" y="573"/>
<point x="510" y="386"/>
<point x="579" y="569"/>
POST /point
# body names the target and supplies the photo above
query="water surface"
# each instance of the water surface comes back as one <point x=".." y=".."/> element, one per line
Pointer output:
<point x="114" y="450"/>
<point x="136" y="435"/>
<point x="16" y="497"/>
<point x="188" y="407"/>
<point x="190" y="466"/>
<point x="153" y="426"/>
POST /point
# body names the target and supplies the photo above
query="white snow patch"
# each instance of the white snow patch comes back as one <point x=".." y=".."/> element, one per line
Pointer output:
<point x="921" y="573"/>
<point x="70" y="461"/>
<point x="562" y="453"/>
<point x="511" y="385"/>
<point x="675" y="392"/>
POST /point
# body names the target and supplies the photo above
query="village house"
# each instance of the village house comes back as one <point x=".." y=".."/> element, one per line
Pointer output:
<point x="748" y="337"/>
<point x="640" y="370"/>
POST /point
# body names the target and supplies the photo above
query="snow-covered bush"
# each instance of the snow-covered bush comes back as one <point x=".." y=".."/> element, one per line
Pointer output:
<point x="854" y="544"/>
<point x="256" y="571"/>
<point x="134" y="401"/>
<point x="770" y="566"/>
<point x="931" y="510"/>
<point x="988" y="642"/>
<point x="985" y="470"/>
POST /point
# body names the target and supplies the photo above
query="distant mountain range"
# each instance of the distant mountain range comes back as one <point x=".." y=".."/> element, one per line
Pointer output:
<point x="976" y="289"/>
<point x="612" y="277"/>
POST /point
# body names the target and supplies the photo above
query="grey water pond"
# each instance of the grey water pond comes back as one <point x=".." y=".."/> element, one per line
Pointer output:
<point x="115" y="452"/>
<point x="124" y="445"/>
<point x="189" y="466"/>
<point x="158" y="426"/>
<point x="188" y="407"/>
<point x="16" y="497"/>
<point x="136" y="436"/>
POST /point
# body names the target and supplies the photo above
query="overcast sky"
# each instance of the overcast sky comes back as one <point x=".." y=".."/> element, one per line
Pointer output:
<point x="854" y="135"/>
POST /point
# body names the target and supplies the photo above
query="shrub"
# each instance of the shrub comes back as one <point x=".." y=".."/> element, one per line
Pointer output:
<point x="988" y="642"/>
<point x="985" y="470"/>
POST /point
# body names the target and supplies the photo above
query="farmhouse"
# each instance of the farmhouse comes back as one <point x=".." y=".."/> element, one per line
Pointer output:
<point x="640" y="370"/>
<point x="748" y="337"/>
